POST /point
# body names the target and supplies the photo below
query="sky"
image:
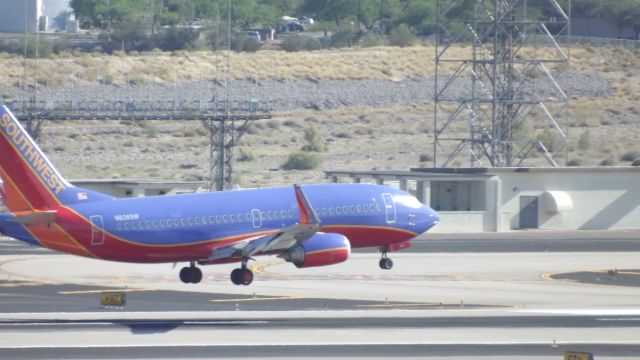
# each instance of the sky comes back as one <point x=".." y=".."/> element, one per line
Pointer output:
<point x="54" y="7"/>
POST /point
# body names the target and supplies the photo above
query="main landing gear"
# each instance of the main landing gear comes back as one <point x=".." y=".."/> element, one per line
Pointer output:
<point x="242" y="276"/>
<point x="191" y="274"/>
<point x="385" y="263"/>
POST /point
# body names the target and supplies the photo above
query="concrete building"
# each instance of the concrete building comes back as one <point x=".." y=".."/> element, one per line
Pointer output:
<point x="15" y="12"/>
<point x="503" y="199"/>
<point x="138" y="188"/>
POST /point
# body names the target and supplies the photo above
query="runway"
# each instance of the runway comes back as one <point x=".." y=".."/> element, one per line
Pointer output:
<point x="479" y="303"/>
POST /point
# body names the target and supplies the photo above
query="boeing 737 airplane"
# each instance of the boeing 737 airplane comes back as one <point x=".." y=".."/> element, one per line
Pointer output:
<point x="311" y="225"/>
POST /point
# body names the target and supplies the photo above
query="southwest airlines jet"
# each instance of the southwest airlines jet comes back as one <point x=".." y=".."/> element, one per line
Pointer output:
<point x="311" y="225"/>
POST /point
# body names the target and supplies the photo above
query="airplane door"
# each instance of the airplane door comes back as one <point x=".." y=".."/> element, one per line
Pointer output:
<point x="97" y="234"/>
<point x="256" y="218"/>
<point x="389" y="208"/>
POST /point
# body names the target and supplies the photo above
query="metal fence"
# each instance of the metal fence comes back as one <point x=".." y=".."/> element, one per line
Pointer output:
<point x="136" y="109"/>
<point x="584" y="40"/>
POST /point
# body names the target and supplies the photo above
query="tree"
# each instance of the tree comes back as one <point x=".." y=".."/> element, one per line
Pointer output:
<point x="419" y="15"/>
<point x="625" y="13"/>
<point x="331" y="10"/>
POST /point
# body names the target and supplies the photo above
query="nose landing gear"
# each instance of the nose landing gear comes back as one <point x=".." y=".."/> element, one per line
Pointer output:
<point x="191" y="274"/>
<point x="385" y="263"/>
<point x="242" y="276"/>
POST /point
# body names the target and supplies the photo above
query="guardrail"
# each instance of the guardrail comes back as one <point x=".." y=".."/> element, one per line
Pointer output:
<point x="584" y="40"/>
<point x="137" y="109"/>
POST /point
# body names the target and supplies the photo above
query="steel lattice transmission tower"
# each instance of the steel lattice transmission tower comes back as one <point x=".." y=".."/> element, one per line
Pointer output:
<point x="496" y="93"/>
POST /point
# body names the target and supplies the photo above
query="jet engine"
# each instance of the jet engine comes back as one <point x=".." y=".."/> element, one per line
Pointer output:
<point x="319" y="250"/>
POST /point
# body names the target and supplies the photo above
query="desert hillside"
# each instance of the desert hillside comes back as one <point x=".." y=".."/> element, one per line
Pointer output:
<point x="370" y="107"/>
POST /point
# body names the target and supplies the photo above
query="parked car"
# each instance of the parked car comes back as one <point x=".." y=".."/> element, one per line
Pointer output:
<point x="252" y="35"/>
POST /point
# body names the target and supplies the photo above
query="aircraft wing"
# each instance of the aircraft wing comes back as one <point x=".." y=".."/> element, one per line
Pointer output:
<point x="285" y="238"/>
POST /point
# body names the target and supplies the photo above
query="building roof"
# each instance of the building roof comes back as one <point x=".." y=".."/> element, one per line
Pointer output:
<point x="537" y="170"/>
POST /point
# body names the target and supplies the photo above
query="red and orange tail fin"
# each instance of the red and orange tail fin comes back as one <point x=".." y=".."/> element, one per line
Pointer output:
<point x="29" y="180"/>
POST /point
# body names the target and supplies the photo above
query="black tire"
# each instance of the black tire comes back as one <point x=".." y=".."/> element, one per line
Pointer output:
<point x="246" y="276"/>
<point x="196" y="275"/>
<point x="386" y="263"/>
<point x="236" y="277"/>
<point x="185" y="275"/>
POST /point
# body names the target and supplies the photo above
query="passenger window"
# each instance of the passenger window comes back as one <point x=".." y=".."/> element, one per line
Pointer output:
<point x="372" y="207"/>
<point x="345" y="209"/>
<point x="225" y="218"/>
<point x="239" y="217"/>
<point x="204" y="220"/>
<point x="176" y="222"/>
<point x="247" y="217"/>
<point x="352" y="209"/>
<point x="378" y="207"/>
<point x="119" y="226"/>
<point x="167" y="222"/>
<point x="324" y="211"/>
<point x="155" y="224"/>
<point x="232" y="218"/>
<point x="290" y="213"/>
<point x="190" y="221"/>
<point x="126" y="226"/>
<point x="218" y="219"/>
<point x="212" y="219"/>
<point x="197" y="221"/>
<point x="359" y="208"/>
<point x="183" y="221"/>
<point x="283" y="214"/>
<point x="330" y="211"/>
<point x="338" y="210"/>
<point x="270" y="215"/>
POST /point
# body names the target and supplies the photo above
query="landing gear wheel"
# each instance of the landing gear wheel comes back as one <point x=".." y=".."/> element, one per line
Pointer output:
<point x="185" y="273"/>
<point x="242" y="276"/>
<point x="196" y="275"/>
<point x="236" y="277"/>
<point x="190" y="274"/>
<point x="386" y="263"/>
<point x="246" y="276"/>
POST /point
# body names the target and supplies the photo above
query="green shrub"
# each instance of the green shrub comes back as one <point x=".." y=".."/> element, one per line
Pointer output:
<point x="314" y="140"/>
<point x="344" y="36"/>
<point x="608" y="162"/>
<point x="630" y="156"/>
<point x="302" y="161"/>
<point x="372" y="39"/>
<point x="313" y="44"/>
<point x="237" y="43"/>
<point x="401" y="36"/>
<point x="293" y="43"/>
<point x="251" y="45"/>
<point x="584" y="141"/>
<point x="245" y="155"/>
<point x="574" y="162"/>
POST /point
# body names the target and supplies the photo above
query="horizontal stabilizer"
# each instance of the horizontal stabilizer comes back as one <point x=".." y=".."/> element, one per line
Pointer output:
<point x="36" y="218"/>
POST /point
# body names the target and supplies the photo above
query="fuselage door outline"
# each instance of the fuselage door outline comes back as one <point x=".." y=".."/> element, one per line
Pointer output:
<point x="256" y="218"/>
<point x="97" y="234"/>
<point x="389" y="208"/>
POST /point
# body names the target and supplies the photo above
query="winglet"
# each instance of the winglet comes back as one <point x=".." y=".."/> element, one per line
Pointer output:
<point x="307" y="215"/>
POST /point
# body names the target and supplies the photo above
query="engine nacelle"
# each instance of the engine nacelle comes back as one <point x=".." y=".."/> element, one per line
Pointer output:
<point x="319" y="250"/>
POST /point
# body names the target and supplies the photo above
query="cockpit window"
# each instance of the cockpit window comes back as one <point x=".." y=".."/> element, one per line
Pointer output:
<point x="408" y="201"/>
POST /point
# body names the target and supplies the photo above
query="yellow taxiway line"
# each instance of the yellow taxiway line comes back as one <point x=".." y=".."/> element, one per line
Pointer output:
<point x="259" y="299"/>
<point x="80" y="292"/>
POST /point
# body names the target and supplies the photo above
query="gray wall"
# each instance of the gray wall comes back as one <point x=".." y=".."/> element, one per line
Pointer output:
<point x="12" y="15"/>
<point x="601" y="199"/>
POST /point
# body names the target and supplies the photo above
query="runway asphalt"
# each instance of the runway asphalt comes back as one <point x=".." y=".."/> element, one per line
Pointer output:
<point x="524" y="295"/>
